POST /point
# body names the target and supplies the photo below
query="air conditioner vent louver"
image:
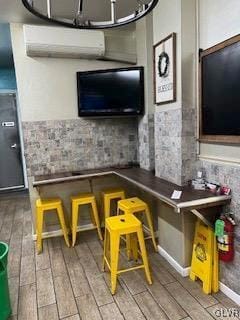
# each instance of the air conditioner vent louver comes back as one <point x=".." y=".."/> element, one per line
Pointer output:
<point x="42" y="41"/>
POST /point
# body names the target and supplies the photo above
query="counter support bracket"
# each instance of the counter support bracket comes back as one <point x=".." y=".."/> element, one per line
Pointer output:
<point x="202" y="218"/>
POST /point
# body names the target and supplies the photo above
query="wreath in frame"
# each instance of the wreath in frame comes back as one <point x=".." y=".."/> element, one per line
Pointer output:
<point x="163" y="70"/>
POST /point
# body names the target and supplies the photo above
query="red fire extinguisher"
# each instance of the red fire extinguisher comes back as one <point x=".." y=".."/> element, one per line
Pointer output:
<point x="226" y="242"/>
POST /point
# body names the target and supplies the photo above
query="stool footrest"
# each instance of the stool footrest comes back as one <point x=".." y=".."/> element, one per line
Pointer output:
<point x="148" y="238"/>
<point x="130" y="269"/>
<point x="123" y="270"/>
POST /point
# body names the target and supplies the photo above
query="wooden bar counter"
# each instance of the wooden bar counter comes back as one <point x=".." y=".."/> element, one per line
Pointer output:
<point x="145" y="180"/>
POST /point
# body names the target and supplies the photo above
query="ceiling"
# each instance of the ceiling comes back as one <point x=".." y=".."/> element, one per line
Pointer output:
<point x="14" y="11"/>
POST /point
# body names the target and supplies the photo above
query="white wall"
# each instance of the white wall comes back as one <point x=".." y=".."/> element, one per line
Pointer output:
<point x="167" y="19"/>
<point x="218" y="21"/>
<point x="47" y="87"/>
<point x="144" y="42"/>
<point x="178" y="16"/>
<point x="189" y="54"/>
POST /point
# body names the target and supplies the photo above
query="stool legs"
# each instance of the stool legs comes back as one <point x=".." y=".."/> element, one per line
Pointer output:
<point x="39" y="227"/>
<point x="96" y="218"/>
<point x="150" y="225"/>
<point x="107" y="204"/>
<point x="105" y="248"/>
<point x="134" y="246"/>
<point x="144" y="256"/>
<point x="106" y="207"/>
<point x="114" y="253"/>
<point x="128" y="245"/>
<point x="74" y="222"/>
<point x="63" y="224"/>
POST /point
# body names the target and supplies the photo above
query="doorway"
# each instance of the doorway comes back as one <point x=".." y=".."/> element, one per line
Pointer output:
<point x="11" y="160"/>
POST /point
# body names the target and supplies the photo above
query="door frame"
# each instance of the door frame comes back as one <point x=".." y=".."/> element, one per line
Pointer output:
<point x="20" y="132"/>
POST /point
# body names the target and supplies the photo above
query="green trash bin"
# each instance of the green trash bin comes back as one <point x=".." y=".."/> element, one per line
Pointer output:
<point x="5" y="306"/>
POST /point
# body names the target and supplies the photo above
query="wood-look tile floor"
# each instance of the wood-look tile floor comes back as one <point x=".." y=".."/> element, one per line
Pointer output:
<point x="63" y="283"/>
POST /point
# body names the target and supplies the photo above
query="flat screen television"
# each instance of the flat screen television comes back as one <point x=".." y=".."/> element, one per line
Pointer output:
<point x="111" y="92"/>
<point x="220" y="92"/>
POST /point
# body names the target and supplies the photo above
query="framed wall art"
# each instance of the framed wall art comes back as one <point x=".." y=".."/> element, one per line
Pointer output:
<point x="165" y="70"/>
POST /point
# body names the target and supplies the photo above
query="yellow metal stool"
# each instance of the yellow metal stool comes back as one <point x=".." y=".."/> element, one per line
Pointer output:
<point x="43" y="205"/>
<point x="204" y="264"/>
<point x="135" y="206"/>
<point x="109" y="195"/>
<point x="82" y="199"/>
<point x="115" y="227"/>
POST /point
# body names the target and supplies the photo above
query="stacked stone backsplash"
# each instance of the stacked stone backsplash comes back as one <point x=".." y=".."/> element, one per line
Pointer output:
<point x="68" y="145"/>
<point x="146" y="142"/>
<point x="168" y="145"/>
<point x="175" y="145"/>
<point x="189" y="143"/>
<point x="228" y="175"/>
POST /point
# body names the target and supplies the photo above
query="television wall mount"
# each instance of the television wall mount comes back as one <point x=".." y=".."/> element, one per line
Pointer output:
<point x="44" y="9"/>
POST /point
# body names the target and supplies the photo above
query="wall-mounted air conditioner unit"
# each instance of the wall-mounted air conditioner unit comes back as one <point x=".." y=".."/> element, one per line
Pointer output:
<point x="43" y="41"/>
<point x="121" y="46"/>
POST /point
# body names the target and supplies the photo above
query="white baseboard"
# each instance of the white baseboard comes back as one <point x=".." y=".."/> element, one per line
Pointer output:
<point x="229" y="293"/>
<point x="185" y="272"/>
<point x="57" y="233"/>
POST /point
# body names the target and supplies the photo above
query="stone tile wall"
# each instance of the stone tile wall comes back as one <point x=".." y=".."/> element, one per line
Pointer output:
<point x="189" y="144"/>
<point x="146" y="142"/>
<point x="68" y="145"/>
<point x="168" y="158"/>
<point x="229" y="175"/>
<point x="175" y="145"/>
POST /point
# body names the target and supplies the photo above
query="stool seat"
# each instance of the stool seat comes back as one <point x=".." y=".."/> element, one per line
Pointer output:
<point x="77" y="201"/>
<point x="116" y="227"/>
<point x="43" y="205"/>
<point x="125" y="224"/>
<point x="83" y="198"/>
<point x="134" y="204"/>
<point x="112" y="191"/>
<point x="48" y="202"/>
<point x="109" y="195"/>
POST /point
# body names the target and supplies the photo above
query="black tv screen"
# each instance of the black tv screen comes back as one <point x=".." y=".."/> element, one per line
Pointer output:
<point x="111" y="92"/>
<point x="221" y="91"/>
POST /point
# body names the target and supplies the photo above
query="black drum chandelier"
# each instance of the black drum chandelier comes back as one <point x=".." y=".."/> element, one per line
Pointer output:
<point x="79" y="21"/>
